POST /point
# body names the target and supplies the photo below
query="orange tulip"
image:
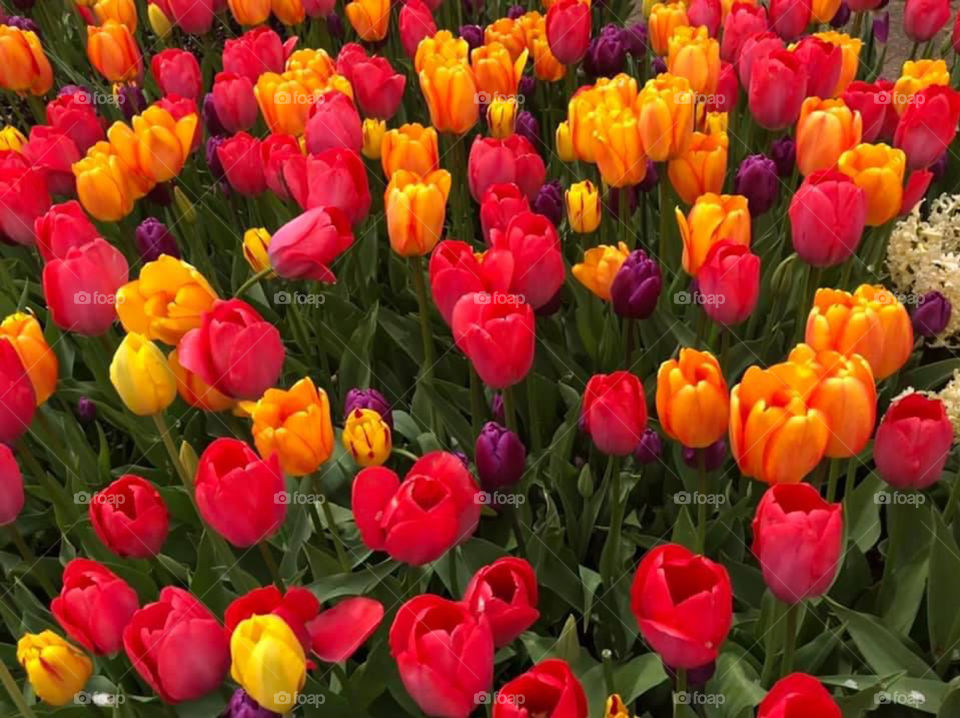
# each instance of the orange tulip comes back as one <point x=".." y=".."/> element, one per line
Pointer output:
<point x="665" y="107"/>
<point x="589" y="104"/>
<point x="694" y="55"/>
<point x="450" y="90"/>
<point x="879" y="170"/>
<point x="113" y="51"/>
<point x="105" y="188"/>
<point x="289" y="12"/>
<point x="157" y="145"/>
<point x="284" y="102"/>
<point x="315" y="60"/>
<point x="24" y="332"/>
<point x="415" y="207"/>
<point x="713" y="218"/>
<point x="370" y="18"/>
<point x="123" y="11"/>
<point x="702" y="168"/>
<point x="917" y="75"/>
<point x="664" y="19"/>
<point x="845" y="393"/>
<point x="850" y="48"/>
<point x="496" y="73"/>
<point x="443" y="45"/>
<point x="249" y="12"/>
<point x="546" y="66"/>
<point x="509" y="33"/>
<point x="617" y="148"/>
<point x="194" y="391"/>
<point x="599" y="268"/>
<point x="410" y="147"/>
<point x="693" y="403"/>
<point x="23" y="65"/>
<point x="774" y="435"/>
<point x="826" y="129"/>
<point x="871" y="322"/>
<point x="295" y="425"/>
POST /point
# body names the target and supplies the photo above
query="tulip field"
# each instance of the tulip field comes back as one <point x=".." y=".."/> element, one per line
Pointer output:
<point x="461" y="359"/>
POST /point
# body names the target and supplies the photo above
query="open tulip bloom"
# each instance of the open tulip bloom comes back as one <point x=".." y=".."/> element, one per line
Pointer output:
<point x="446" y="358"/>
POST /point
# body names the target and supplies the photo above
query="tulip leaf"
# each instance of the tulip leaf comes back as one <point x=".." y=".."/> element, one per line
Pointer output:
<point x="881" y="649"/>
<point x="931" y="375"/>
<point x="943" y="619"/>
<point x="735" y="686"/>
<point x="355" y="360"/>
<point x="909" y="526"/>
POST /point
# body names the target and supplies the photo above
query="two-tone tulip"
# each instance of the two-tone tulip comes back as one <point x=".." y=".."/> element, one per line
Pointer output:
<point x="712" y="218"/>
<point x="113" y="51"/>
<point x="295" y="425"/>
<point x="583" y="207"/>
<point x="665" y="108"/>
<point x="415" y="208"/>
<point x="825" y="130"/>
<point x="879" y="170"/>
<point x="694" y="55"/>
<point x="57" y="670"/>
<point x="701" y="169"/>
<point x="24" y="332"/>
<point x="450" y="89"/>
<point x="367" y="437"/>
<point x="693" y="402"/>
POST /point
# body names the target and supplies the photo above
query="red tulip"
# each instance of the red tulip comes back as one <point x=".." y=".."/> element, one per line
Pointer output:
<point x="923" y="19"/>
<point x="177" y="646"/>
<point x="335" y="178"/>
<point x="730" y="280"/>
<point x="797" y="537"/>
<point x="744" y="20"/>
<point x="319" y="8"/>
<point x="24" y="196"/>
<point x="275" y="150"/>
<point x="917" y="185"/>
<point x="333" y="123"/>
<point x="728" y="90"/>
<point x="928" y="125"/>
<point x="455" y="271"/>
<point x="19" y="399"/>
<point x="683" y="605"/>
<point x="53" y="152"/>
<point x="234" y="350"/>
<point x="497" y="334"/>
<point x="297" y="607"/>
<point x="753" y="48"/>
<point x="240" y="158"/>
<point x="827" y="217"/>
<point x="130" y="517"/>
<point x="377" y="87"/>
<point x="234" y="101"/>
<point x="81" y="286"/>
<point x="513" y="159"/>
<point x="506" y="592"/>
<point x="63" y="226"/>
<point x="499" y="203"/>
<point x="823" y="61"/>
<point x="778" y="86"/>
<point x="241" y="496"/>
<point x="798" y="695"/>
<point x="74" y="115"/>
<point x="874" y="102"/>
<point x="94" y="606"/>
<point x="11" y="487"/>
<point x="790" y="18"/>
<point x="913" y="442"/>
<point x="537" y="263"/>
<point x="255" y="52"/>
<point x="396" y="517"/>
<point x="614" y="412"/>
<point x="337" y="633"/>
<point x="416" y="22"/>
<point x="177" y="72"/>
<point x="444" y="654"/>
<point x="194" y="17"/>
<point x="306" y="246"/>
<point x="708" y="13"/>
<point x="568" y="30"/>
<point x="548" y="689"/>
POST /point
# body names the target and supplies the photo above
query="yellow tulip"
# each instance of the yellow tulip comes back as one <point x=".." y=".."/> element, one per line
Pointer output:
<point x="11" y="139"/>
<point x="316" y="60"/>
<point x="370" y="18"/>
<point x="502" y="117"/>
<point x="694" y="55"/>
<point x="26" y="335"/>
<point x="140" y="374"/>
<point x="57" y="670"/>
<point x="879" y="170"/>
<point x="664" y="19"/>
<point x="615" y="707"/>
<point x="665" y="106"/>
<point x="268" y="662"/>
<point x="713" y="218"/>
<point x="599" y="267"/>
<point x="583" y="207"/>
<point x="367" y="437"/>
<point x="256" y="241"/>
<point x="295" y="425"/>
<point x="373" y="132"/>
<point x="702" y="168"/>
<point x="564" y="140"/>
<point x="159" y="22"/>
<point x="415" y="207"/>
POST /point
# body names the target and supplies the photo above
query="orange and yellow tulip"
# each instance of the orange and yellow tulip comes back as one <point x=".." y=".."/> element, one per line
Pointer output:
<point x="24" y="332"/>
<point x="664" y="19"/>
<point x="123" y="11"/>
<point x="157" y="145"/>
<point x="825" y="130"/>
<point x="694" y="55"/>
<point x="24" y="66"/>
<point x="284" y="102"/>
<point x="295" y="425"/>
<point x="443" y="45"/>
<point x="415" y="207"/>
<point x="599" y="267"/>
<point x="289" y="12"/>
<point x="702" y="168"/>
<point x="502" y="117"/>
<point x="411" y="147"/>
<point x="546" y="66"/>
<point x="256" y="243"/>
<point x="879" y="170"/>
<point x="916" y="75"/>
<point x="850" y="48"/>
<point x="618" y="148"/>
<point x="249" y="12"/>
<point x="665" y="106"/>
<point x="496" y="73"/>
<point x="113" y="51"/>
<point x="713" y="218"/>
<point x="509" y="33"/>
<point x="450" y="90"/>
<point x="693" y="402"/>
<point x="104" y="187"/>
<point x="370" y="18"/>
<point x="583" y="207"/>
<point x="316" y="60"/>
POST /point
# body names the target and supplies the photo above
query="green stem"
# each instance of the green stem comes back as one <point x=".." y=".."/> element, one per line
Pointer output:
<point x="790" y="640"/>
<point x="477" y="413"/>
<point x="509" y="412"/>
<point x="702" y="501"/>
<point x="271" y="563"/>
<point x="664" y="217"/>
<point x="534" y="427"/>
<point x="608" y="680"/>
<point x="951" y="507"/>
<point x="31" y="559"/>
<point x="832" y="479"/>
<point x="679" y="696"/>
<point x="338" y="544"/>
<point x="426" y="371"/>
<point x="251" y="280"/>
<point x="452" y="569"/>
<point x="15" y="694"/>
<point x="518" y="529"/>
<point x="164" y="431"/>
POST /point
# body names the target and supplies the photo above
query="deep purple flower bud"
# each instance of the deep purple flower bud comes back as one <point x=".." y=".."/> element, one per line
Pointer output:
<point x="161" y="194"/>
<point x="213" y="161"/>
<point x="636" y="287"/>
<point x="24" y="23"/>
<point x="931" y="315"/>
<point x="500" y="457"/>
<point x="651" y="178"/>
<point x="611" y="200"/>
<point x="784" y="154"/>
<point x="473" y="34"/>
<point x="131" y="99"/>
<point x="659" y="65"/>
<point x="496" y="407"/>
<point x="335" y="25"/>
<point x="527" y="126"/>
<point x="86" y="409"/>
<point x="527" y="89"/>
<point x="939" y="167"/>
<point x="649" y="449"/>
<point x="515" y="11"/>
<point x="211" y="119"/>
<point x="552" y="306"/>
<point x="881" y="28"/>
<point x="841" y="17"/>
<point x="606" y="53"/>
<point x="369" y="399"/>
<point x="715" y="455"/>
<point x="241" y="705"/>
<point x="757" y="180"/>
<point x="635" y="39"/>
<point x="153" y="239"/>
<point x="549" y="202"/>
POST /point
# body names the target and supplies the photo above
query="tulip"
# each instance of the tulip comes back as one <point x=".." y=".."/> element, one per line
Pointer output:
<point x="410" y="147"/>
<point x="932" y="315"/>
<point x="824" y="63"/>
<point x="160" y="23"/>
<point x="56" y="669"/>
<point x="497" y="74"/>
<point x="778" y="84"/>
<point x="444" y="654"/>
<point x="153" y="240"/>
<point x="80" y="287"/>
<point x="157" y="145"/>
<point x="289" y="12"/>
<point x="730" y="280"/>
<point x="284" y="103"/>
<point x="25" y="334"/>
<point x="798" y="692"/>
<point x="130" y="517"/>
<point x="846" y="395"/>
<point x="535" y="269"/>
<point x="599" y="268"/>
<point x="774" y="435"/>
<point x="789" y="19"/>
<point x="500" y="457"/>
<point x="694" y="55"/>
<point x="415" y="209"/>
<point x="636" y="286"/>
<point x="850" y="48"/>
<point x="825" y="130"/>
<point x="268" y="661"/>
<point x="240" y="496"/>
<point x="568" y="30"/>
<point x="506" y="593"/>
<point x="177" y="72"/>
<point x="24" y="66"/>
<point x="727" y="95"/>
<point x="369" y="399"/>
<point x="255" y="52"/>
<point x="256" y="243"/>
<point x="391" y="518"/>
<point x="449" y="90"/>
<point x="835" y="12"/>
<point x="649" y="449"/>
<point x="234" y="350"/>
<point x="249" y="13"/>
<point x="550" y="201"/>
<point x="194" y="391"/>
<point x="874" y="103"/>
<point x="583" y="207"/>
<point x="74" y="115"/>
<point x="234" y="101"/>
<point x="712" y="218"/>
<point x="664" y="19"/>
<point x="496" y="332"/>
<point x="333" y="123"/>
<point x="706" y="13"/>
<point x="502" y="118"/>
<point x="701" y="169"/>
<point x="168" y="300"/>
<point x="758" y="180"/>
<point x="113" y="51"/>
<point x="194" y="18"/>
<point x="24" y="197"/>
<point x="916" y="76"/>
<point x="546" y="67"/>
<point x="665" y="117"/>
<point x="827" y="218"/>
<point x="53" y="153"/>
<point x="333" y="179"/>
<point x="783" y="152"/>
<point x="879" y="171"/>
<point x="913" y="441"/>
<point x="550" y="686"/>
<point x="367" y="437"/>
<point x="104" y="187"/>
<point x="141" y="376"/>
<point x="377" y="87"/>
<point x="711" y="458"/>
<point x="743" y="21"/>
<point x="94" y="606"/>
<point x="509" y="33"/>
<point x="607" y="53"/>
<point x="614" y="412"/>
<point x="243" y="706"/>
<point x="923" y="19"/>
<point x="305" y="246"/>
<point x="513" y="159"/>
<point x="499" y="204"/>
<point x="693" y="402"/>
<point x="928" y="125"/>
<point x="177" y="646"/>
<point x="686" y="628"/>
<point x="415" y="22"/>
<point x="295" y="426"/>
<point x="615" y="707"/>
<point x="616" y="147"/>
<point x="456" y="271"/>
<point x="370" y="18"/>
<point x="797" y="538"/>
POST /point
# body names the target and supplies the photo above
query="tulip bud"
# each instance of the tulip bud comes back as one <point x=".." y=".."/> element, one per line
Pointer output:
<point x="932" y="315"/>
<point x="373" y="132"/>
<point x="86" y="410"/>
<point x="550" y="201"/>
<point x="923" y="19"/>
<point x="500" y="457"/>
<point x="881" y="28"/>
<point x="153" y="239"/>
<point x="159" y="22"/>
<point x="141" y="376"/>
<point x="367" y="437"/>
<point x="564" y="143"/>
<point x="368" y="399"/>
<point x="502" y="116"/>
<point x="758" y="181"/>
<point x="783" y="151"/>
<point x="11" y="487"/>
<point x="11" y="139"/>
<point x="473" y="34"/>
<point x="583" y="207"/>
<point x="635" y="39"/>
<point x="607" y="52"/>
<point x="913" y="441"/>
<point x="56" y="669"/>
<point x="306" y="246"/>
<point x="241" y="705"/>
<point x="527" y="126"/>
<point x="713" y="455"/>
<point x="649" y="449"/>
<point x="187" y="211"/>
<point x="636" y="286"/>
<point x="614" y="412"/>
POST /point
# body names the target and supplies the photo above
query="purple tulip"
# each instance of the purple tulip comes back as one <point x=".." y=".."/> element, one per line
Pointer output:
<point x="527" y="126"/>
<point x="527" y="89"/>
<point x="611" y="200"/>
<point x="757" y="180"/>
<point x="369" y="399"/>
<point x="131" y="99"/>
<point x="241" y="705"/>
<point x="335" y="25"/>
<point x="841" y="17"/>
<point x="635" y="39"/>
<point x="637" y="286"/>
<point x="939" y="166"/>
<point x="651" y="178"/>
<point x="211" y="119"/>
<point x="606" y="53"/>
<point x="473" y="34"/>
<point x="932" y="314"/>
<point x="496" y="408"/>
<point x="86" y="410"/>
<point x="515" y="11"/>
<point x="213" y="161"/>
<point x="649" y="449"/>
<point x="784" y="153"/>
<point x="549" y="201"/>
<point x="714" y="455"/>
<point x="24" y="23"/>
<point x="500" y="457"/>
<point x="153" y="239"/>
<point x="881" y="28"/>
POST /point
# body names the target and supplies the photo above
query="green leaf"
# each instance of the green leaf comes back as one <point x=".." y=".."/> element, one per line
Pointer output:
<point x="943" y="619"/>
<point x="881" y="649"/>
